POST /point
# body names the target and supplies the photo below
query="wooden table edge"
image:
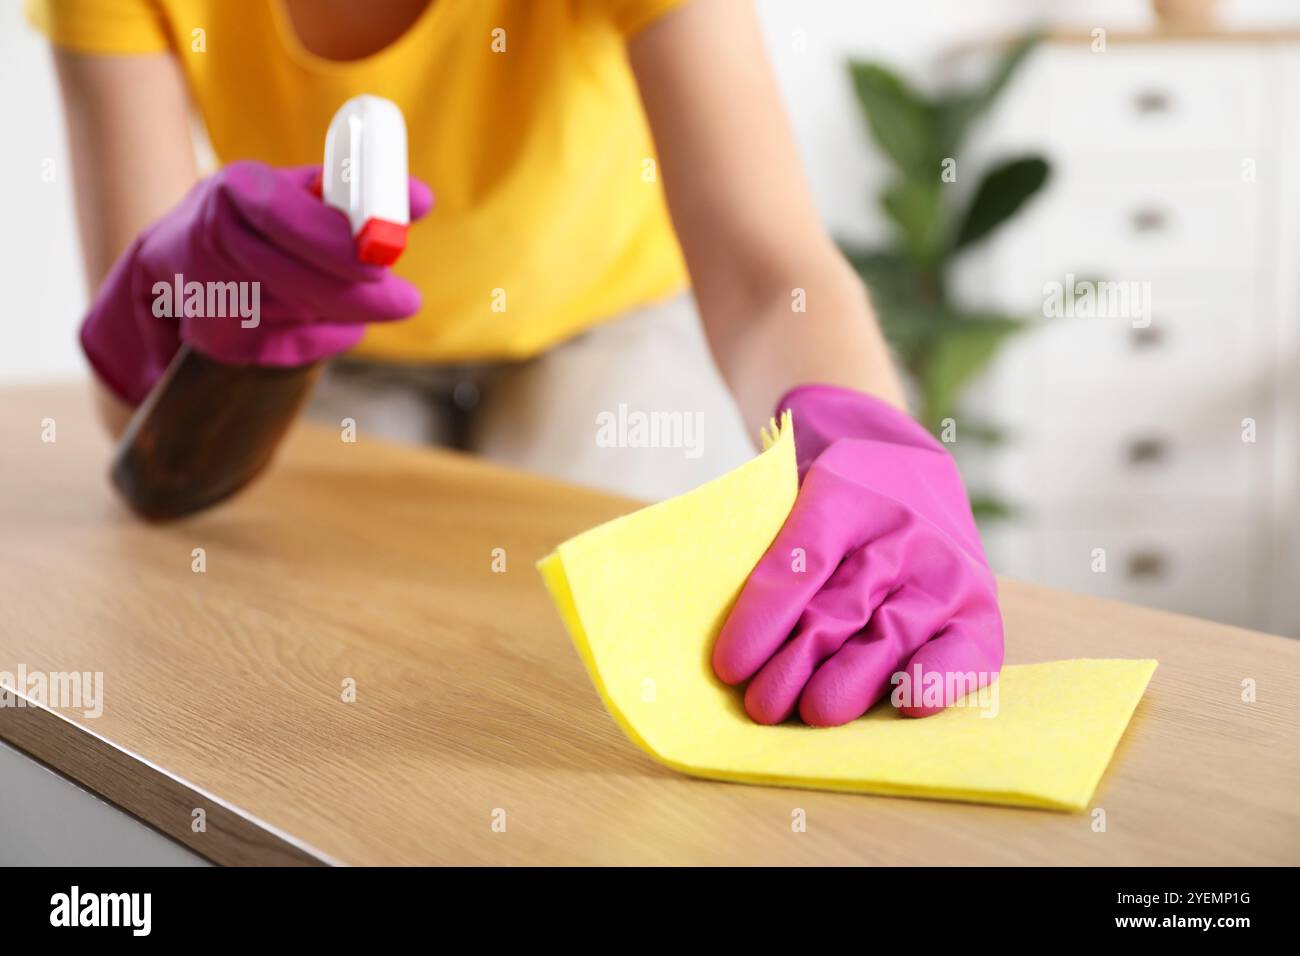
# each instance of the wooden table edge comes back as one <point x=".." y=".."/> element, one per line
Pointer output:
<point x="156" y="797"/>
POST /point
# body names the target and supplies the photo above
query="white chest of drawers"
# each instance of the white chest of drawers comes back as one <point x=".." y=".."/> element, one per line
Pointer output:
<point x="1152" y="457"/>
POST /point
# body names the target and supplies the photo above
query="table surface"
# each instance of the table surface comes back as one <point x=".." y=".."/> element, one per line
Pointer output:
<point x="372" y="563"/>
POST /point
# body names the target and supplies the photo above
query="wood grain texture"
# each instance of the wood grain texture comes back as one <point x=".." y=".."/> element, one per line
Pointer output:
<point x="223" y="690"/>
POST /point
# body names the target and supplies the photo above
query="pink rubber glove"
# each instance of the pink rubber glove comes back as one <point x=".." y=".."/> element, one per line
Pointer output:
<point x="247" y="223"/>
<point x="895" y="576"/>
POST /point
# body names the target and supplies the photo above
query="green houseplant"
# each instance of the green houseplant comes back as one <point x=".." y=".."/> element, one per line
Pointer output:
<point x="941" y="344"/>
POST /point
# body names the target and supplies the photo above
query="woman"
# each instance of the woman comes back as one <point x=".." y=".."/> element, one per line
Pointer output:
<point x="587" y="155"/>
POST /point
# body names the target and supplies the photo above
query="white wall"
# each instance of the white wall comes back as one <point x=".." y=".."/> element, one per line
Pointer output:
<point x="40" y="265"/>
<point x="809" y="41"/>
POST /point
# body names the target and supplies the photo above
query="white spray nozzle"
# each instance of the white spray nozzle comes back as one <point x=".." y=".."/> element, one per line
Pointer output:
<point x="365" y="175"/>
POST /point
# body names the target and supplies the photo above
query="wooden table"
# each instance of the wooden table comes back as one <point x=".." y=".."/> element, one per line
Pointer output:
<point x="372" y="563"/>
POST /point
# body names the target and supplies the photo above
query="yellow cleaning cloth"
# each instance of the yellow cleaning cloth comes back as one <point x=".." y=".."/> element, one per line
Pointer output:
<point x="644" y="596"/>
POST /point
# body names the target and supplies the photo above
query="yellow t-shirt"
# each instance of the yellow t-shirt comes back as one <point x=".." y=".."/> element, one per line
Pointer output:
<point x="549" y="216"/>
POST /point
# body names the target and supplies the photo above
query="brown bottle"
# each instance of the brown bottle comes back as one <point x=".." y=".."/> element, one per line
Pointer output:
<point x="206" y="430"/>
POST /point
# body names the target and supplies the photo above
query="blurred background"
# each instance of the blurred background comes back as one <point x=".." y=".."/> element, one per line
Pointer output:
<point x="1097" y="300"/>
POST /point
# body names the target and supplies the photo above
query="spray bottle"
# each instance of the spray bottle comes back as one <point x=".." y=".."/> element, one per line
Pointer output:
<point x="208" y="429"/>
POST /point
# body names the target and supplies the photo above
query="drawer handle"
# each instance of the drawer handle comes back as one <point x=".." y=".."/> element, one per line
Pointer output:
<point x="1147" y="451"/>
<point x="1149" y="219"/>
<point x="1147" y="565"/>
<point x="1147" y="102"/>
<point x="1148" y="338"/>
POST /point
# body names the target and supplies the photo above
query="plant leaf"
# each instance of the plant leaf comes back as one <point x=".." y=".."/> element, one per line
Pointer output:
<point x="956" y="113"/>
<point x="1000" y="194"/>
<point x="964" y="349"/>
<point x="988" y="508"/>
<point x="1015" y="55"/>
<point x="980" y="433"/>
<point x="888" y="275"/>
<point x="918" y="209"/>
<point x="902" y="122"/>
<point x="912" y="330"/>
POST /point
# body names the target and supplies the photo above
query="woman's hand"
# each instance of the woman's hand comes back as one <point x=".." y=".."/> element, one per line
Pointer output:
<point x="253" y="234"/>
<point x="879" y="565"/>
<point x="878" y="570"/>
